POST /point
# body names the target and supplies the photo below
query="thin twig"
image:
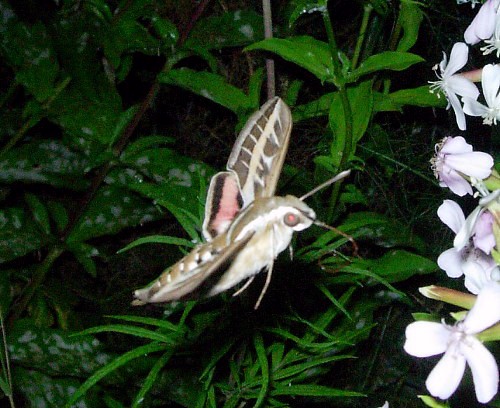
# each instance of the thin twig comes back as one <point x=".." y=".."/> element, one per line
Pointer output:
<point x="268" y="33"/>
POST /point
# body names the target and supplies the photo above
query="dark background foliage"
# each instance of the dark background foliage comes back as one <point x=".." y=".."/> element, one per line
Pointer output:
<point x="114" y="115"/>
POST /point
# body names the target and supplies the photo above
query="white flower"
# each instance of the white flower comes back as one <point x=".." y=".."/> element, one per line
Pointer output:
<point x="490" y="81"/>
<point x="451" y="84"/>
<point x="493" y="44"/>
<point x="455" y="159"/>
<point x="480" y="271"/>
<point x="460" y="347"/>
<point x="483" y="25"/>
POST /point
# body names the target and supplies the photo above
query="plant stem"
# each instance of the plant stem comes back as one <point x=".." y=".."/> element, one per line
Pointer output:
<point x="362" y="33"/>
<point x="6" y="363"/>
<point x="268" y="33"/>
<point x="342" y="90"/>
<point x="36" y="280"/>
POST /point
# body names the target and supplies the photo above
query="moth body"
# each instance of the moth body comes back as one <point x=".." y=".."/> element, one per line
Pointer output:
<point x="265" y="227"/>
<point x="246" y="226"/>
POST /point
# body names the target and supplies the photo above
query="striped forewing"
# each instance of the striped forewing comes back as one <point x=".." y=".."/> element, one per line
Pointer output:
<point x="260" y="149"/>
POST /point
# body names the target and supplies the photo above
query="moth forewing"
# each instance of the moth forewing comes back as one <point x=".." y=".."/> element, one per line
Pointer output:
<point x="260" y="149"/>
<point x="191" y="272"/>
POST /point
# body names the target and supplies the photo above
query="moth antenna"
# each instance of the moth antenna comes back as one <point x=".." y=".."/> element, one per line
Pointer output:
<point x="338" y="177"/>
<point x="347" y="236"/>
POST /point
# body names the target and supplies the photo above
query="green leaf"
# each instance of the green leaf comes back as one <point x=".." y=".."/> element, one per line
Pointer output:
<point x="210" y="86"/>
<point x="410" y="17"/>
<point x="305" y="51"/>
<point x="132" y="331"/>
<point x="164" y="324"/>
<point x="19" y="234"/>
<point x="138" y="352"/>
<point x="264" y="367"/>
<point x="399" y="265"/>
<point x="312" y="391"/>
<point x="29" y="51"/>
<point x="240" y="27"/>
<point x="151" y="378"/>
<point x="391" y="60"/>
<point x="53" y="351"/>
<point x="145" y="143"/>
<point x="42" y="390"/>
<point x="45" y="161"/>
<point x="318" y="108"/>
<point x="158" y="239"/>
<point x="39" y="212"/>
<point x="112" y="209"/>
<point x="123" y="120"/>
<point x="420" y="96"/>
<point x="59" y="214"/>
<point x="84" y="254"/>
<point x="306" y="7"/>
<point x="166" y="30"/>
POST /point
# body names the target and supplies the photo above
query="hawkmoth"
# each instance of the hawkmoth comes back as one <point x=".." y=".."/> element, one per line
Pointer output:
<point x="246" y="226"/>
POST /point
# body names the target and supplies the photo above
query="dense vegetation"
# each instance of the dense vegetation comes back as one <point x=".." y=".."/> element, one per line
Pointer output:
<point x="114" y="116"/>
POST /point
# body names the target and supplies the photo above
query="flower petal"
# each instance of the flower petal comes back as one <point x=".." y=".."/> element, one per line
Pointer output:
<point x="465" y="232"/>
<point x="462" y="86"/>
<point x="451" y="261"/>
<point x="490" y="81"/>
<point x="457" y="108"/>
<point x="455" y="145"/>
<point x="483" y="25"/>
<point x="473" y="164"/>
<point x="424" y="339"/>
<point x="446" y="376"/>
<point x="486" y="310"/>
<point x="484" y="239"/>
<point x="484" y="369"/>
<point x="458" y="58"/>
<point x="474" y="108"/>
<point x="451" y="214"/>
<point x="455" y="182"/>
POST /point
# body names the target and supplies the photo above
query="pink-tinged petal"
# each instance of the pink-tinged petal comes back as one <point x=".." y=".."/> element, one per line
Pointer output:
<point x="486" y="310"/>
<point x="455" y="145"/>
<point x="474" y="108"/>
<point x="456" y="183"/>
<point x="484" y="369"/>
<point x="484" y="239"/>
<point x="451" y="215"/>
<point x="451" y="261"/>
<point x="458" y="58"/>
<point x="474" y="164"/>
<point x="465" y="232"/>
<point x="483" y="25"/>
<point x="478" y="275"/>
<point x="457" y="108"/>
<point x="446" y="376"/>
<point x="462" y="86"/>
<point x="491" y="83"/>
<point x="424" y="339"/>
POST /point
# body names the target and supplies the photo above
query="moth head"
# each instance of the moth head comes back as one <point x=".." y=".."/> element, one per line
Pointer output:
<point x="297" y="215"/>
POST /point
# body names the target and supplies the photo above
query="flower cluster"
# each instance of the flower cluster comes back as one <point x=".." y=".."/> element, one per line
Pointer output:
<point x="475" y="255"/>
<point x="486" y="28"/>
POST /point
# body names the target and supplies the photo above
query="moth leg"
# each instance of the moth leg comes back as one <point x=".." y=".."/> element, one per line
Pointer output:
<point x="266" y="285"/>
<point x="290" y="249"/>
<point x="246" y="285"/>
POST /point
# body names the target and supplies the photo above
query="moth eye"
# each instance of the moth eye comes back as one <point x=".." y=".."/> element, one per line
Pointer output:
<point x="291" y="219"/>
